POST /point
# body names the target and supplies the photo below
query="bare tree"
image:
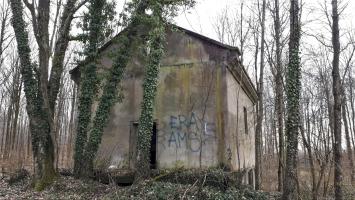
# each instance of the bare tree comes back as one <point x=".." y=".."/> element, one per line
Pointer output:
<point x="260" y="89"/>
<point x="229" y="27"/>
<point x="337" y="103"/>
<point x="347" y="124"/>
<point x="279" y="90"/>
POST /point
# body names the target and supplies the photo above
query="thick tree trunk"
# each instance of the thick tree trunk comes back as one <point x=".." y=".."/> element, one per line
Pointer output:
<point x="293" y="89"/>
<point x="40" y="97"/>
<point x="42" y="143"/>
<point x="88" y="87"/>
<point x="337" y="103"/>
<point x="145" y="127"/>
<point x="258" y="131"/>
<point x="46" y="149"/>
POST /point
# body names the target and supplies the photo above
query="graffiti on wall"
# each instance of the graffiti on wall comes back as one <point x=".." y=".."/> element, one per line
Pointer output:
<point x="190" y="132"/>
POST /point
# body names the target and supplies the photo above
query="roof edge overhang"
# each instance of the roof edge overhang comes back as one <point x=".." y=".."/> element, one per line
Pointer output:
<point x="205" y="38"/>
<point x="241" y="76"/>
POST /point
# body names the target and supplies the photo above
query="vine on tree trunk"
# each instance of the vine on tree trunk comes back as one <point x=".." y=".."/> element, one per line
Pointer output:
<point x="109" y="97"/>
<point x="89" y="81"/>
<point x="42" y="144"/>
<point x="89" y="144"/>
<point x="156" y="48"/>
<point x="134" y="17"/>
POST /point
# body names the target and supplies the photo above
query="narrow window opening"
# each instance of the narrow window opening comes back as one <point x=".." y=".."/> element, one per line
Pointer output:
<point x="245" y="120"/>
<point x="133" y="144"/>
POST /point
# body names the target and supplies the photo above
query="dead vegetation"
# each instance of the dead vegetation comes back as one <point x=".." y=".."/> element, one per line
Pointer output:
<point x="304" y="177"/>
<point x="208" y="184"/>
<point x="63" y="188"/>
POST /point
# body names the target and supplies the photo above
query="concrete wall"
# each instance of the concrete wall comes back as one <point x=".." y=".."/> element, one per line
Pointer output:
<point x="186" y="109"/>
<point x="240" y="139"/>
<point x="195" y="111"/>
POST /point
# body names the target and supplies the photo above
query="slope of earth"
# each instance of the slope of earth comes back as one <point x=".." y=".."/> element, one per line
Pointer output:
<point x="70" y="188"/>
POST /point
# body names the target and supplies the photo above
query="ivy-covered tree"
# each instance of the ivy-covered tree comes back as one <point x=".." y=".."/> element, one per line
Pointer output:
<point x="293" y="93"/>
<point x="40" y="90"/>
<point x="94" y="22"/>
<point x="162" y="11"/>
<point x="156" y="48"/>
<point x="88" y="140"/>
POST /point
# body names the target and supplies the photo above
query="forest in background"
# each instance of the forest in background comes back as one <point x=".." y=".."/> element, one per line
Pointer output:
<point x="60" y="33"/>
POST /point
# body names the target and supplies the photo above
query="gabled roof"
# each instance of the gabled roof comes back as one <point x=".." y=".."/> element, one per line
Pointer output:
<point x="186" y="31"/>
<point x="207" y="39"/>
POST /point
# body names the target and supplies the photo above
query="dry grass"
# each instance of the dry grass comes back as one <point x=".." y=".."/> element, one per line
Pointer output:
<point x="270" y="183"/>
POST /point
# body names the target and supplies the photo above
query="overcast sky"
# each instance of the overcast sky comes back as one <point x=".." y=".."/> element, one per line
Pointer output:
<point x="200" y="19"/>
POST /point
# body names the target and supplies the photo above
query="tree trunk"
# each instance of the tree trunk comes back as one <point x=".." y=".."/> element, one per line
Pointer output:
<point x="307" y="144"/>
<point x="338" y="177"/>
<point x="42" y="143"/>
<point x="258" y="131"/>
<point x="347" y="138"/>
<point x="279" y="95"/>
<point x="145" y="127"/>
<point x="352" y="106"/>
<point x="293" y="88"/>
<point x="60" y="49"/>
<point x="88" y="86"/>
<point x="70" y="144"/>
<point x="84" y="164"/>
<point x="351" y="128"/>
<point x="109" y="97"/>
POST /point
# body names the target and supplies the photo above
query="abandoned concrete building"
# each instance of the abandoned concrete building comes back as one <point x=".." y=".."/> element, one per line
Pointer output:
<point x="204" y="110"/>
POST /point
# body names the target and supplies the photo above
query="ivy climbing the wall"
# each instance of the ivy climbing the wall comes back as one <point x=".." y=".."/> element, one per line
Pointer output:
<point x="87" y="144"/>
<point x="110" y="93"/>
<point x="162" y="12"/>
<point x="156" y="49"/>
<point x="136" y="20"/>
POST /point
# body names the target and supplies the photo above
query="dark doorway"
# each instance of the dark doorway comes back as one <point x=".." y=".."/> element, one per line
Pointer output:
<point x="251" y="178"/>
<point x="133" y="145"/>
<point x="153" y="147"/>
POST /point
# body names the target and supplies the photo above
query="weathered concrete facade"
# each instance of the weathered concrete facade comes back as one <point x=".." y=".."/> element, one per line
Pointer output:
<point x="204" y="110"/>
